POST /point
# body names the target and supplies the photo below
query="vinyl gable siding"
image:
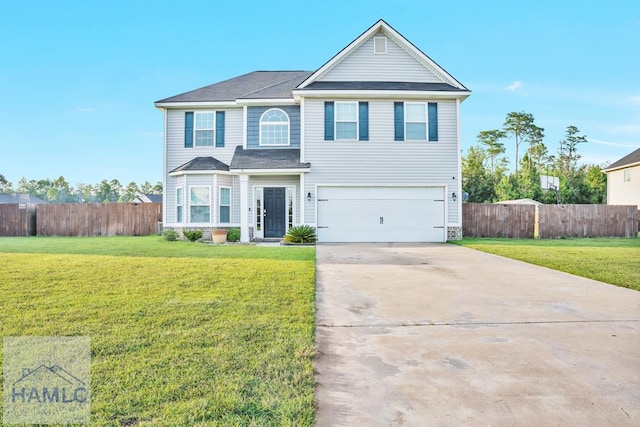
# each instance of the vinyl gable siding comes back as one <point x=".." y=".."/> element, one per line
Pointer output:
<point x="253" y="126"/>
<point x="397" y="65"/>
<point x="382" y="160"/>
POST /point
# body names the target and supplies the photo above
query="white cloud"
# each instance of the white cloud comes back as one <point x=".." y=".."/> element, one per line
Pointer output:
<point x="613" y="144"/>
<point x="85" y="109"/>
<point x="515" y="85"/>
<point x="634" y="99"/>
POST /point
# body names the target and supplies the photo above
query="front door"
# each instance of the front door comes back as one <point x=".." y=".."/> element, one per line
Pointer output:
<point x="274" y="218"/>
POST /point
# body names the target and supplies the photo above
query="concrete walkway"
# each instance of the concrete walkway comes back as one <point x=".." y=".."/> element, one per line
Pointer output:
<point x="420" y="335"/>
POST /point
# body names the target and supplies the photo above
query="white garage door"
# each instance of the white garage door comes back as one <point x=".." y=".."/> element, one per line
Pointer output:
<point x="381" y="214"/>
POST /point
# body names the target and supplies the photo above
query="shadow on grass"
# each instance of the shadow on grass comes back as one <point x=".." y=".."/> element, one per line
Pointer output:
<point x="150" y="246"/>
<point x="596" y="242"/>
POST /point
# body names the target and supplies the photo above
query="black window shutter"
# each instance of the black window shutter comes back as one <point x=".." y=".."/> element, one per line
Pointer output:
<point x="328" y="121"/>
<point x="363" y="121"/>
<point x="433" y="121"/>
<point x="188" y="129"/>
<point x="398" y="113"/>
<point x="219" y="128"/>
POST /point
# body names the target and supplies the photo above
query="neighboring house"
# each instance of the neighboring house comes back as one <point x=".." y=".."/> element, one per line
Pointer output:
<point x="20" y="198"/>
<point x="623" y="180"/>
<point x="148" y="198"/>
<point x="366" y="148"/>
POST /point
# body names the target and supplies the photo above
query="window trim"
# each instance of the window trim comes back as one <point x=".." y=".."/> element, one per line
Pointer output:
<point x="335" y="120"/>
<point x="260" y="124"/>
<point x="208" y="187"/>
<point x="220" y="205"/>
<point x="426" y="121"/>
<point x="179" y="204"/>
<point x="196" y="129"/>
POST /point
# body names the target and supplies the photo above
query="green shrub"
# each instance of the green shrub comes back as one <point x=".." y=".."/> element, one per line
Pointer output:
<point x="233" y="235"/>
<point x="193" y="235"/>
<point x="170" y="235"/>
<point x="301" y="234"/>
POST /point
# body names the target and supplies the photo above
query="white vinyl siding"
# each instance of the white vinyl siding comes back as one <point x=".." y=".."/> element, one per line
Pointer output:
<point x="623" y="186"/>
<point x="382" y="160"/>
<point x="177" y="154"/>
<point x="397" y="65"/>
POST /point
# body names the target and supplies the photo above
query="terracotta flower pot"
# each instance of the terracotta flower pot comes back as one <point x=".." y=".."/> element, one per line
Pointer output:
<point x="219" y="236"/>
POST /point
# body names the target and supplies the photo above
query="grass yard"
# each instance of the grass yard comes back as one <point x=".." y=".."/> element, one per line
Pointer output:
<point x="182" y="333"/>
<point x="610" y="260"/>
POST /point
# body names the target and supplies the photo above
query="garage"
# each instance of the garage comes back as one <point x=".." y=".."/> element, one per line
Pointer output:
<point x="381" y="214"/>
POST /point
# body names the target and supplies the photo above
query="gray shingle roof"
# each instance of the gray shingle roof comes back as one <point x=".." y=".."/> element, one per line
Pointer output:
<point x="383" y="86"/>
<point x="202" y="164"/>
<point x="267" y="158"/>
<point x="629" y="159"/>
<point x="255" y="85"/>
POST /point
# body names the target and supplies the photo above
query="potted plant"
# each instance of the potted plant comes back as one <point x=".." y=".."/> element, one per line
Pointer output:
<point x="219" y="235"/>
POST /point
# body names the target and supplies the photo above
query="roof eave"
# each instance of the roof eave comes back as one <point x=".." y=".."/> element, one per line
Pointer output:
<point x="271" y="171"/>
<point x="615" y="168"/>
<point x="386" y="94"/>
<point x="196" y="104"/>
<point x="199" y="172"/>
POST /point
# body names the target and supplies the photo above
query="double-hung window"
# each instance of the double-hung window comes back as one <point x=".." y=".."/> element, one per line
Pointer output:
<point x="200" y="204"/>
<point x="346" y="121"/>
<point x="416" y="121"/>
<point x="179" y="204"/>
<point x="627" y="175"/>
<point x="225" y="205"/>
<point x="203" y="129"/>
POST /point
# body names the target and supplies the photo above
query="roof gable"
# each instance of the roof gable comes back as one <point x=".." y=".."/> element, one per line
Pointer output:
<point x="410" y="62"/>
<point x="632" y="158"/>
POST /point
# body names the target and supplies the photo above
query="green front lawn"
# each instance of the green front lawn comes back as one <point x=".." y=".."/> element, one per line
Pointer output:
<point x="615" y="260"/>
<point x="182" y="333"/>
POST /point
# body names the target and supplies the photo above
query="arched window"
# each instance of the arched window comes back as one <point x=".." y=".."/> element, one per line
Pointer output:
<point x="274" y="127"/>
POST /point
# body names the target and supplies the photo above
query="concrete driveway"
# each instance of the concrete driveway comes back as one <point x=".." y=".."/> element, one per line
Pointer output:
<point x="437" y="334"/>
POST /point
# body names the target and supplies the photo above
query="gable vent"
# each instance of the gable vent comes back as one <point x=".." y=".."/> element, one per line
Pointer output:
<point x="379" y="45"/>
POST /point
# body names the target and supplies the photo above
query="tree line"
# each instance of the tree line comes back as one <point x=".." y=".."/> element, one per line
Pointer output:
<point x="486" y="177"/>
<point x="60" y="191"/>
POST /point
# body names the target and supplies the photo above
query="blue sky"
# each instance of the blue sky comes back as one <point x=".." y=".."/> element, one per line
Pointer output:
<point x="78" y="78"/>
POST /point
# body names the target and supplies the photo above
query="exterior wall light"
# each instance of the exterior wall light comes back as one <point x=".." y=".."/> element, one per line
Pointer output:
<point x="309" y="197"/>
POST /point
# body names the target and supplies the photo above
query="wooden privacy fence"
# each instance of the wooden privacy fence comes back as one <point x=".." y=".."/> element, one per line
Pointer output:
<point x="17" y="219"/>
<point x="489" y="220"/>
<point x="98" y="219"/>
<point x="548" y="221"/>
<point x="587" y="221"/>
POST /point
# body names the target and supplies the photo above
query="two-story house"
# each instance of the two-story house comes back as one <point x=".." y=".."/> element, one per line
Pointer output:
<point x="366" y="148"/>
